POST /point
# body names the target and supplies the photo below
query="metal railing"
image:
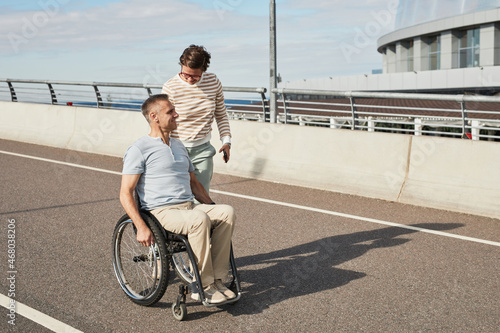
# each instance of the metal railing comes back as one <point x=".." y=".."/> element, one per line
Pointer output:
<point x="120" y="96"/>
<point x="462" y="116"/>
<point x="466" y="116"/>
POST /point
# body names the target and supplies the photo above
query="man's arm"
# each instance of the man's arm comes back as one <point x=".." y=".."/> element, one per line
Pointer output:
<point x="129" y="182"/>
<point x="199" y="191"/>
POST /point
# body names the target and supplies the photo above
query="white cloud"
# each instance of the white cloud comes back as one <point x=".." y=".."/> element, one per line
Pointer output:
<point x="100" y="43"/>
<point x="129" y="22"/>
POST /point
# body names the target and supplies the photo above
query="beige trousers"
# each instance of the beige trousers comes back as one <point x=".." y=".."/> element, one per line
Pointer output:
<point x="196" y="221"/>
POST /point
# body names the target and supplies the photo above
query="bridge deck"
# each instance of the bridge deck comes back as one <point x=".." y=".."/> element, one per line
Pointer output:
<point x="309" y="260"/>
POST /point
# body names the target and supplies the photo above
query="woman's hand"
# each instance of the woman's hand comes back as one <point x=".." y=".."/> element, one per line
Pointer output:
<point x="225" y="148"/>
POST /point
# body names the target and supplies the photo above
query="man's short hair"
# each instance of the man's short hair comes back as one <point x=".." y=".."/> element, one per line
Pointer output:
<point x="149" y="105"/>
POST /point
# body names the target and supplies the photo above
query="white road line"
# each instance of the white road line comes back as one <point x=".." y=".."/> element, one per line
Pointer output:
<point x="37" y="316"/>
<point x="58" y="326"/>
<point x="60" y="162"/>
<point x="323" y="211"/>
<point x="359" y="218"/>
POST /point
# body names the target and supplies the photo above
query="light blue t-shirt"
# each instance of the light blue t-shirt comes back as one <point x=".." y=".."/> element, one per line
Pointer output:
<point x="164" y="171"/>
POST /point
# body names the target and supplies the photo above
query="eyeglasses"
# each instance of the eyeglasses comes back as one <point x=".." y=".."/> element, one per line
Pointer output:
<point x="187" y="76"/>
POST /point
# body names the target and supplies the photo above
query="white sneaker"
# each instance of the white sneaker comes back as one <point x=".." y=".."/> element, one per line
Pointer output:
<point x="212" y="295"/>
<point x="228" y="293"/>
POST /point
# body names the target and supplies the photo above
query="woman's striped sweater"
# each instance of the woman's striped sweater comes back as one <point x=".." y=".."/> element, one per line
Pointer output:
<point x="197" y="106"/>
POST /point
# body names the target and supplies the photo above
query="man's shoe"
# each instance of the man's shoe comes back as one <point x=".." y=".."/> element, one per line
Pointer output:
<point x="212" y="295"/>
<point x="228" y="293"/>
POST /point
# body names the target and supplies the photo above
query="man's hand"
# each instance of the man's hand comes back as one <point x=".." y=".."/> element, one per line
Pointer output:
<point x="226" y="148"/>
<point x="198" y="190"/>
<point x="145" y="236"/>
<point x="129" y="182"/>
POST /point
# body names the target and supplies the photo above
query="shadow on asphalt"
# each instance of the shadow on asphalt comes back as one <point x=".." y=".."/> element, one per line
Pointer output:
<point x="302" y="270"/>
<point x="59" y="206"/>
<point x="310" y="268"/>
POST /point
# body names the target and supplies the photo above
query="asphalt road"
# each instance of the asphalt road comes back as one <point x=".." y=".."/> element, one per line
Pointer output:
<point x="309" y="260"/>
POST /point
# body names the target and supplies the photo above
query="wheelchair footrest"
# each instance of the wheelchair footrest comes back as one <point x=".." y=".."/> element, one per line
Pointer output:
<point x="230" y="301"/>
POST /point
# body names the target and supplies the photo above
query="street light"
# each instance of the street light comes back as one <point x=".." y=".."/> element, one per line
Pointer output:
<point x="273" y="103"/>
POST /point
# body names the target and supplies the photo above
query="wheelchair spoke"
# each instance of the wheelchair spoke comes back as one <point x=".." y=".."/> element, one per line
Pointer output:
<point x="137" y="267"/>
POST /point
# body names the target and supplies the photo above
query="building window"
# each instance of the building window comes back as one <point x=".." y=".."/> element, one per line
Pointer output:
<point x="434" y="43"/>
<point x="468" y="48"/>
<point x="409" y="56"/>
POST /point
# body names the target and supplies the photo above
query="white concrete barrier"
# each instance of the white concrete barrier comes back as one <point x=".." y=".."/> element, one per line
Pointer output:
<point x="99" y="131"/>
<point x="345" y="161"/>
<point x="37" y="123"/>
<point x="107" y="132"/>
<point x="458" y="175"/>
<point x="452" y="174"/>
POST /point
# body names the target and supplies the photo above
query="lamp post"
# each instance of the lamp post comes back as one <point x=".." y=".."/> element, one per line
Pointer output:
<point x="273" y="103"/>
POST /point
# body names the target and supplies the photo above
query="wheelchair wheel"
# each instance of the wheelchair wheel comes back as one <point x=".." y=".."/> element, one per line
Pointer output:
<point x="141" y="271"/>
<point x="180" y="311"/>
<point x="183" y="267"/>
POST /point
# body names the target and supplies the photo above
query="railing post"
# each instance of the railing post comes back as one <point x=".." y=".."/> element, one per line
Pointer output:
<point x="263" y="98"/>
<point x="150" y="93"/>
<point x="418" y="126"/>
<point x="273" y="98"/>
<point x="13" y="95"/>
<point x="354" y="114"/>
<point x="475" y="130"/>
<point x="53" y="96"/>
<point x="464" y="120"/>
<point x="98" y="96"/>
<point x="285" y="109"/>
<point x="371" y="124"/>
<point x="334" y="123"/>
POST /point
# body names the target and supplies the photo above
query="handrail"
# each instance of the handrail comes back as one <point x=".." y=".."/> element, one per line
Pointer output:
<point x="389" y="95"/>
<point x="125" y="85"/>
<point x="356" y="113"/>
<point x="126" y="102"/>
<point x="466" y="116"/>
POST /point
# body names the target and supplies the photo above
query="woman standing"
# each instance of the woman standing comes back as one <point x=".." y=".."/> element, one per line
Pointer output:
<point x="198" y="99"/>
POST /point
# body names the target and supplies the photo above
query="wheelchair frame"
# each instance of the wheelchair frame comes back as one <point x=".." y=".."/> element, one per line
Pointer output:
<point x="143" y="272"/>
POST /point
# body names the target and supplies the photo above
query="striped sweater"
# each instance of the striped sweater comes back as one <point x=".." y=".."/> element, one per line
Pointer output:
<point x="197" y="106"/>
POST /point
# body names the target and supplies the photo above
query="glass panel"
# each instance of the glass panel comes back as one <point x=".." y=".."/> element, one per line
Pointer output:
<point x="475" y="37"/>
<point x="410" y="65"/>
<point x="410" y="56"/>
<point x="463" y="58"/>
<point x="463" y="39"/>
<point x="434" y="62"/>
<point x="413" y="12"/>
<point x="433" y="44"/>
<point x="468" y="61"/>
<point x="469" y="45"/>
<point x="434" y="52"/>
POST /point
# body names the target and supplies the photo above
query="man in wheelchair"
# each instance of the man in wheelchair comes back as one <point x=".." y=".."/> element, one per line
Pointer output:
<point x="158" y="169"/>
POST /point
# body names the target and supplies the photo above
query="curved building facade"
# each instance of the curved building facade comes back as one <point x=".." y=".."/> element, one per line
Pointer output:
<point x="438" y="46"/>
<point x="414" y="12"/>
<point x="441" y="35"/>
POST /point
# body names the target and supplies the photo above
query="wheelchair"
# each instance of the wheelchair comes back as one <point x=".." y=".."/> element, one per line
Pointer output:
<point x="143" y="272"/>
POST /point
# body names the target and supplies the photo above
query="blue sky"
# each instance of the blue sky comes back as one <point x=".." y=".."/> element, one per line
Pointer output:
<point x="140" y="42"/>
